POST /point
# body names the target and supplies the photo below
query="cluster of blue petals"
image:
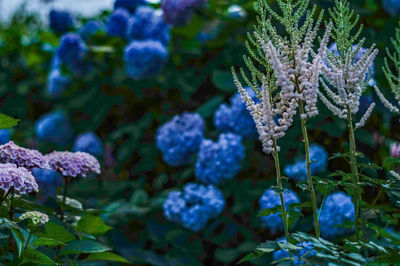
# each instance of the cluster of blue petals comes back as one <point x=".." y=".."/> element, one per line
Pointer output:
<point x="392" y="7"/>
<point x="5" y="136"/>
<point x="236" y="118"/>
<point x="71" y="50"/>
<point x="336" y="209"/>
<point x="319" y="162"/>
<point x="129" y="5"/>
<point x="48" y="180"/>
<point x="57" y="82"/>
<point x="88" y="142"/>
<point x="90" y="29"/>
<point x="219" y="161"/>
<point x="54" y="128"/>
<point x="61" y="21"/>
<point x="117" y="23"/>
<point x="271" y="199"/>
<point x="179" y="12"/>
<point x="180" y="138"/>
<point x="299" y="255"/>
<point x="195" y="206"/>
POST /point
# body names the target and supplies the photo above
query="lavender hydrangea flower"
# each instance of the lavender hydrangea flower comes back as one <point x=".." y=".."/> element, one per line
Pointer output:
<point x="319" y="161"/>
<point x="72" y="164"/>
<point x="195" y="206"/>
<point x="48" y="180"/>
<point x="147" y="24"/>
<point x="17" y="178"/>
<point x="54" y="128"/>
<point x="392" y="7"/>
<point x="370" y="74"/>
<point x="57" y="82"/>
<point x="179" y="12"/>
<point x="180" y="138"/>
<point x="91" y="28"/>
<point x="219" y="161"/>
<point x="71" y="51"/>
<point x="144" y="59"/>
<point x="236" y="118"/>
<point x="271" y="199"/>
<point x="395" y="150"/>
<point x="299" y="255"/>
<point x="5" y="136"/>
<point x="22" y="157"/>
<point x="88" y="142"/>
<point x="117" y="23"/>
<point x="61" y="21"/>
<point x="337" y="209"/>
<point x="129" y="5"/>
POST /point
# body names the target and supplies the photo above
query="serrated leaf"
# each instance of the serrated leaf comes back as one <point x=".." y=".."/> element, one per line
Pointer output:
<point x="84" y="246"/>
<point x="37" y="257"/>
<point x="92" y="225"/>
<point x="7" y="122"/>
<point x="106" y="256"/>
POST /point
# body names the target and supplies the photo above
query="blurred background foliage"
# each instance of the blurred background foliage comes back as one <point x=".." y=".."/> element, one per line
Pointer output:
<point x="126" y="113"/>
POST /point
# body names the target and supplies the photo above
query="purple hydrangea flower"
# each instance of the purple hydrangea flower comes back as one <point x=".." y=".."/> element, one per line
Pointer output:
<point x="22" y="157"/>
<point x="54" y="128"/>
<point x="236" y="118"/>
<point x="91" y="28"/>
<point x="180" y="138"/>
<point x="179" y="12"/>
<point x="395" y="150"/>
<point x="337" y="209"/>
<point x="299" y="255"/>
<point x="88" y="142"/>
<point x="71" y="51"/>
<point x="117" y="23"/>
<point x="5" y="136"/>
<point x="195" y="206"/>
<point x="72" y="164"/>
<point x="18" y="178"/>
<point x="271" y="199"/>
<point x="219" y="161"/>
<point x="129" y="5"/>
<point x="144" y="59"/>
<point x="147" y="24"/>
<point x="61" y="21"/>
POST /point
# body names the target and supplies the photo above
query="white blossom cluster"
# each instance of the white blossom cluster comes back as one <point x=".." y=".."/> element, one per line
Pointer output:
<point x="296" y="78"/>
<point x="347" y="77"/>
<point x="35" y="216"/>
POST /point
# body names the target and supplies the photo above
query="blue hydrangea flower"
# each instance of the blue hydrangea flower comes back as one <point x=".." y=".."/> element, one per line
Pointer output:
<point x="195" y="206"/>
<point x="129" y="5"/>
<point x="5" y="136"/>
<point x="88" y="142"/>
<point x="54" y="128"/>
<point x="357" y="57"/>
<point x="144" y="59"/>
<point x="91" y="28"/>
<point x="236" y="118"/>
<point x="178" y="12"/>
<point x="117" y="23"/>
<point x="147" y="24"/>
<point x="61" y="21"/>
<point x="392" y="7"/>
<point x="219" y="161"/>
<point x="336" y="209"/>
<point x="299" y="255"/>
<point x="71" y="51"/>
<point x="57" y="82"/>
<point x="271" y="199"/>
<point x="180" y="138"/>
<point x="319" y="162"/>
<point x="48" y="180"/>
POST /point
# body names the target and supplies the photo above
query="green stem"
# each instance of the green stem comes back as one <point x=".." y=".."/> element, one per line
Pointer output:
<point x="66" y="183"/>
<point x="279" y="183"/>
<point x="354" y="172"/>
<point x="308" y="163"/>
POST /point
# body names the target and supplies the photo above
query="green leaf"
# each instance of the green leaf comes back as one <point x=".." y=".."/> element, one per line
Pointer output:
<point x="208" y="108"/>
<point x="223" y="81"/>
<point x="106" y="256"/>
<point x="92" y="225"/>
<point x="273" y="210"/>
<point x="57" y="232"/>
<point x="37" y="257"/>
<point x="19" y="239"/>
<point x="250" y="256"/>
<point x="84" y="246"/>
<point x="44" y="241"/>
<point x="7" y="122"/>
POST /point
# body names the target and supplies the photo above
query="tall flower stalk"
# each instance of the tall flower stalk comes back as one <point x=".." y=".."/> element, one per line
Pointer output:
<point x="345" y="79"/>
